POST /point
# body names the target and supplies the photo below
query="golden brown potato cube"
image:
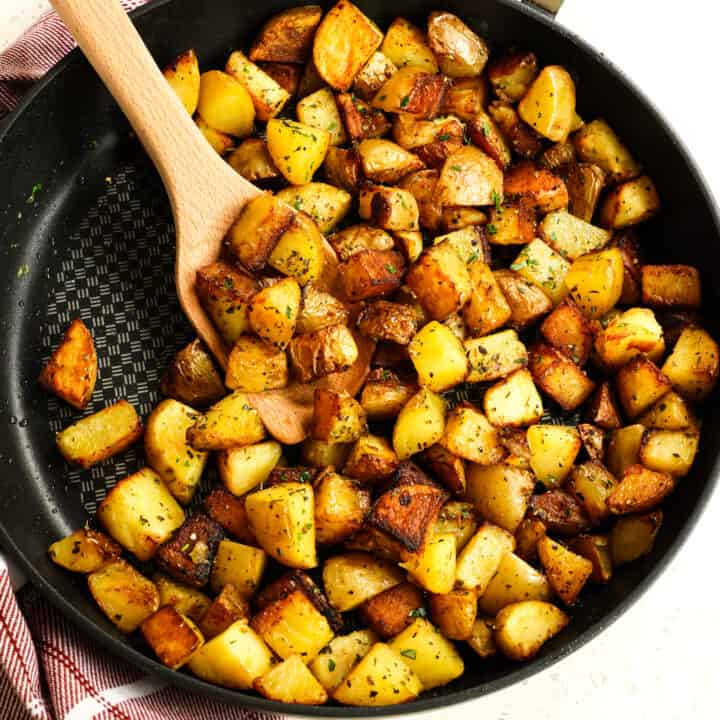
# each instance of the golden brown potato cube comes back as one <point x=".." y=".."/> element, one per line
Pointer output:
<point x="344" y="41"/>
<point x="123" y="594"/>
<point x="338" y="417"/>
<point x="274" y="310"/>
<point x="494" y="356"/>
<point x="371" y="459"/>
<point x="382" y="320"/>
<point x="373" y="75"/>
<point x="454" y="613"/>
<point x="603" y="408"/>
<point x="173" y="637"/>
<point x="567" y="329"/>
<point x="631" y="203"/>
<point x="319" y="110"/>
<point x="539" y="264"/>
<point x="522" y="628"/>
<point x="322" y="352"/>
<point x="597" y="143"/>
<point x="267" y="95"/>
<point x="585" y="183"/>
<point x="239" y="565"/>
<point x="482" y="640"/>
<point x="522" y="138"/>
<point x="669" y="451"/>
<point x="535" y="187"/>
<point x="634" y="332"/>
<point x="624" y="448"/>
<point x="411" y="90"/>
<point x="487" y="308"/>
<point x="469" y="177"/>
<point x="639" y="385"/>
<point x="548" y="106"/>
<point x="438" y="357"/>
<point x="410" y="243"/>
<point x="527" y="302"/>
<point x="449" y="469"/>
<point x="634" y="536"/>
<point x="101" y="435"/>
<point x="300" y="252"/>
<point x="639" y="490"/>
<point x="529" y="531"/>
<point x="290" y="681"/>
<point x="228" y="423"/>
<point x="319" y="310"/>
<point x="325" y="204"/>
<point x="413" y="133"/>
<point x="511" y="224"/>
<point x="342" y="168"/>
<point x="390" y="208"/>
<point x="254" y="366"/>
<point x="457" y="217"/>
<point x="465" y="98"/>
<point x="340" y="507"/>
<point x="558" y="156"/>
<point x="567" y="572"/>
<point x="671" y="286"/>
<point x="408" y="510"/>
<point x="352" y="578"/>
<point x="256" y="232"/>
<point x="406" y="44"/>
<point x="459" y="519"/>
<point x="591" y="484"/>
<point x="561" y="512"/>
<point x="357" y="238"/>
<point x="500" y="492"/>
<point x="440" y="280"/>
<point x="692" y="366"/>
<point x="384" y="161"/>
<point x="512" y="74"/>
<point x="71" y="372"/>
<point x="287" y="37"/>
<point x="183" y="76"/>
<point x="514" y="401"/>
<point x="390" y="612"/>
<point x="371" y="273"/>
<point x="84" y="551"/>
<point x="593" y="439"/>
<point x="460" y="52"/>
<point x="671" y="412"/>
<point x="191" y="377"/>
<point x="185" y="599"/>
<point x="286" y="75"/>
<point x="596" y="548"/>
<point x="228" y="607"/>
<point x="469" y="435"/>
<point x="559" y="377"/>
<point x="595" y="281"/>
<point x="229" y="511"/>
<point x="432" y="567"/>
<point x="571" y="236"/>
<point x="360" y="119"/>
<point x="421" y="185"/>
<point x="553" y="449"/>
<point x="384" y="394"/>
<point x="514" y="581"/>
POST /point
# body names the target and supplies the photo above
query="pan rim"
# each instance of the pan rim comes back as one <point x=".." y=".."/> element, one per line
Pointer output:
<point x="522" y="672"/>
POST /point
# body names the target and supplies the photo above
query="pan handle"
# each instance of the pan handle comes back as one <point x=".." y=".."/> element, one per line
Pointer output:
<point x="551" y="6"/>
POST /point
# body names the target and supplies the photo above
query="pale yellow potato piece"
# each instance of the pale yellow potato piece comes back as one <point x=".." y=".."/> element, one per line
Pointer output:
<point x="326" y="204"/>
<point x="319" y="110"/>
<point x="549" y="104"/>
<point x="433" y="565"/>
<point x="225" y="104"/>
<point x="553" y="449"/>
<point x="480" y="558"/>
<point x="515" y="580"/>
<point x="595" y="281"/>
<point x="244" y="468"/>
<point x="692" y="366"/>
<point x="297" y="150"/>
<point x="420" y="424"/>
<point x="570" y="236"/>
<point x="522" y="628"/>
<point x="469" y="177"/>
<point x="268" y="96"/>
<point x="514" y="401"/>
<point x="183" y="76"/>
<point x="340" y="655"/>
<point x="542" y="266"/>
<point x="290" y="681"/>
<point x="405" y="44"/>
<point x="438" y="357"/>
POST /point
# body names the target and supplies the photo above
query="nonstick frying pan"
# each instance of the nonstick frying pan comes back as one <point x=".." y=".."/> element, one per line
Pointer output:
<point x="96" y="241"/>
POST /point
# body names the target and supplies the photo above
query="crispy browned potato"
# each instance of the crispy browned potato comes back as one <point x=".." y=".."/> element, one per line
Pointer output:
<point x="593" y="439"/>
<point x="454" y="613"/>
<point x="639" y="385"/>
<point x="421" y="185"/>
<point x="371" y="459"/>
<point x="337" y="416"/>
<point x="566" y="571"/>
<point x="390" y="208"/>
<point x="390" y="612"/>
<point x="287" y="37"/>
<point x="486" y="135"/>
<point x="561" y="513"/>
<point x="527" y="301"/>
<point x="286" y="75"/>
<point x="459" y="50"/>
<point x="228" y="607"/>
<point x="411" y="90"/>
<point x="371" y="273"/>
<point x="384" y="161"/>
<point x="559" y="377"/>
<point x="469" y="177"/>
<point x="671" y="286"/>
<point x="558" y="157"/>
<point x="254" y="366"/>
<point x="382" y="320"/>
<point x="360" y="119"/>
<point x="634" y="332"/>
<point x="567" y="329"/>
<point x="252" y="160"/>
<point x="529" y="531"/>
<point x="511" y="224"/>
<point x="448" y="468"/>
<point x="596" y="548"/>
<point x="512" y="74"/>
<point x="85" y="550"/>
<point x="373" y="75"/>
<point x="639" y="490"/>
<point x="591" y="484"/>
<point x="71" y="372"/>
<point x="319" y="310"/>
<point x="603" y="409"/>
<point x="597" y="143"/>
<point x="384" y="394"/>
<point x="342" y="168"/>
<point x="322" y="352"/>
<point x="522" y="138"/>
<point x="341" y="504"/>
<point x="183" y="75"/>
<point x="694" y="363"/>
<point x="629" y="204"/>
<point x="585" y="183"/>
<point x="536" y="187"/>
<point x="192" y="378"/>
<point x="229" y="512"/>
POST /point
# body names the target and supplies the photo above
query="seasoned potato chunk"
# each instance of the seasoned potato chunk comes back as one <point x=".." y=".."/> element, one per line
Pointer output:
<point x="371" y="459"/>
<point x="522" y="628"/>
<point x="239" y="565"/>
<point x="326" y="204"/>
<point x="356" y="238"/>
<point x="338" y="417"/>
<point x="631" y="203"/>
<point x="454" y="613"/>
<point x="692" y="366"/>
<point x="390" y="208"/>
<point x="541" y="265"/>
<point x="553" y="449"/>
<point x="384" y="161"/>
<point x="185" y="599"/>
<point x="481" y="556"/>
<point x="225" y="104"/>
<point x="529" y="531"/>
<point x="469" y="177"/>
<point x="287" y="37"/>
<point x="352" y="578"/>
<point x="494" y="356"/>
<point x="460" y="51"/>
<point x="268" y="96"/>
<point x="319" y="110"/>
<point x="274" y="310"/>
<point x="228" y="423"/>
<point x="670" y="451"/>
<point x="373" y="75"/>
<point x="671" y="286"/>
<point x="361" y="120"/>
<point x="671" y="412"/>
<point x="341" y="168"/>
<point x="535" y="187"/>
<point x="71" y="372"/>
<point x="243" y="468"/>
<point x="549" y="104"/>
<point x="123" y="594"/>
<point x="319" y="310"/>
<point x="633" y="536"/>
<point x="566" y="571"/>
<point x="385" y="394"/>
<point x="624" y="448"/>
<point x="512" y="74"/>
<point x="591" y="483"/>
<point x="390" y="612"/>
<point x="340" y="655"/>
<point x="219" y="142"/>
<point x="459" y="519"/>
<point x="371" y="273"/>
<point x="585" y="183"/>
<point x="514" y="581"/>
<point x="639" y="385"/>
<point x="634" y="332"/>
<point x="559" y="377"/>
<point x="85" y="550"/>
<point x="514" y="401"/>
<point x="228" y="607"/>
<point x="639" y="490"/>
<point x="101" y="435"/>
<point x="571" y="236"/>
<point x="469" y="435"/>
<point x="596" y="548"/>
<point x="433" y="565"/>
<point x="567" y="329"/>
<point x="527" y="301"/>
<point x="173" y="637"/>
<point x="522" y="138"/>
<point x="191" y="377"/>
<point x="340" y="507"/>
<point x="595" y="281"/>
<point x="229" y="511"/>
<point x="254" y="366"/>
<point x="487" y="308"/>
<point x="603" y="409"/>
<point x="411" y="90"/>
<point x="500" y="492"/>
<point x="290" y="681"/>
<point x="324" y="351"/>
<point x="597" y="143"/>
<point x="511" y="224"/>
<point x="297" y="150"/>
<point x="405" y="44"/>
<point x="183" y="76"/>
<point x="420" y="423"/>
<point x="438" y="356"/>
<point x="382" y="320"/>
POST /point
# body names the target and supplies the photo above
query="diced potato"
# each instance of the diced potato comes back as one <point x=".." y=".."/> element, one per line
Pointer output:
<point x="239" y="565"/>
<point x="595" y="281"/>
<point x="252" y="160"/>
<point x="390" y="208"/>
<point x="469" y="435"/>
<point x="71" y="372"/>
<point x="340" y="655"/>
<point x="459" y="50"/>
<point x="228" y="423"/>
<point x="390" y="612"/>
<point x="529" y="531"/>
<point x="384" y="161"/>
<point x="549" y="104"/>
<point x="634" y="332"/>
<point x="319" y="310"/>
<point x="326" y="204"/>
<point x="494" y="356"/>
<point x="192" y="378"/>
<point x="528" y="303"/>
<point x="297" y="150"/>
<point x="433" y="566"/>
<point x="356" y="238"/>
<point x="514" y="401"/>
<point x="692" y="366"/>
<point x="228" y="607"/>
<point x="340" y="507"/>
<point x="319" y="110"/>
<point x="485" y="134"/>
<point x="218" y="141"/>
<point x="561" y="512"/>
<point x="384" y="395"/>
<point x="352" y="578"/>
<point x="535" y="187"/>
<point x="553" y="449"/>
<point x="254" y="366"/>
<point x="512" y="74"/>
<point x="454" y="613"/>
<point x="465" y="98"/>
<point x="559" y="377"/>
<point x="571" y="236"/>
<point x="639" y="490"/>
<point x="527" y="144"/>
<point x="225" y="104"/>
<point x="229" y="512"/>
<point x="481" y="556"/>
<point x="374" y="73"/>
<point x="634" y="536"/>
<point x="591" y="484"/>
<point x="541" y="265"/>
<point x="274" y="311"/>
<point x="282" y="519"/>
<point x="459" y="519"/>
<point x="290" y="681"/>
<point x="382" y="320"/>
<point x="413" y="133"/>
<point x="440" y="280"/>
<point x="511" y="224"/>
<point x="173" y="637"/>
<point x="185" y="599"/>
<point x="624" y="448"/>
<point x="287" y="37"/>
<point x="140" y="513"/>
<point x="482" y="640"/>
<point x="101" y="435"/>
<point x="566" y="571"/>
<point x="381" y="678"/>
<point x="405" y="44"/>
<point x="183" y="75"/>
<point x="420" y="423"/>
<point x="669" y="451"/>
<point x="639" y="385"/>
<point x="467" y="242"/>
<point x="567" y="329"/>
<point x="522" y="628"/>
<point x="411" y="90"/>
<point x="371" y="459"/>
<point x="596" y="548"/>
<point x="603" y="409"/>
<point x="341" y="168"/>
<point x="597" y="143"/>
<point x="243" y="468"/>
<point x="338" y="417"/>
<point x="428" y="654"/>
<point x="631" y="203"/>
<point x="84" y="551"/>
<point x="514" y="581"/>
<point x="235" y="658"/>
<point x="500" y="492"/>
<point x="671" y="286"/>
<point x="487" y="308"/>
<point x="361" y="120"/>
<point x="448" y="468"/>
<point x="671" y="412"/>
<point x="123" y="594"/>
<point x="268" y="96"/>
<point x="438" y="356"/>
<point x="319" y="353"/>
<point x="469" y="177"/>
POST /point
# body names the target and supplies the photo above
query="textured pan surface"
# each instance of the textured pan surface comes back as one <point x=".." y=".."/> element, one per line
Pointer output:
<point x="98" y="243"/>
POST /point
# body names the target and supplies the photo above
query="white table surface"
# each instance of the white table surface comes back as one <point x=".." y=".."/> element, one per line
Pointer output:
<point x="659" y="660"/>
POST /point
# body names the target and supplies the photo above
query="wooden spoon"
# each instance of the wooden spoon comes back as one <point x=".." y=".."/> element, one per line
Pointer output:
<point x="206" y="194"/>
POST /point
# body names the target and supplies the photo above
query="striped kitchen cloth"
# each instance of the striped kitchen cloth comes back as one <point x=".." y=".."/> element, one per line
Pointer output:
<point x="48" y="670"/>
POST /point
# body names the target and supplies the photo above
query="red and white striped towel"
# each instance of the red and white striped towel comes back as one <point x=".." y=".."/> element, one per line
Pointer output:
<point x="48" y="670"/>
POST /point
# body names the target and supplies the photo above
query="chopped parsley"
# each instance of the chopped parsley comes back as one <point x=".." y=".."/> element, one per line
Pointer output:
<point x="36" y="188"/>
<point x="404" y="102"/>
<point x="418" y="612"/>
<point x="456" y="168"/>
<point x="492" y="230"/>
<point x="331" y="664"/>
<point x="391" y="268"/>
<point x="409" y="653"/>
<point x="23" y="270"/>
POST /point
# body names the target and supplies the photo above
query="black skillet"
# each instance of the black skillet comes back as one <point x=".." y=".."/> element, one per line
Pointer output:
<point x="96" y="241"/>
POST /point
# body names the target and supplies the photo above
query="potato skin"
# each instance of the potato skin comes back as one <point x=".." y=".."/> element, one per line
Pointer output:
<point x="229" y="512"/>
<point x="561" y="512"/>
<point x="191" y="377"/>
<point x="512" y="73"/>
<point x="322" y="352"/>
<point x="371" y="273"/>
<point x="287" y="37"/>
<point x="382" y="320"/>
<point x="389" y="613"/>
<point x="460" y="51"/>
<point x="536" y="187"/>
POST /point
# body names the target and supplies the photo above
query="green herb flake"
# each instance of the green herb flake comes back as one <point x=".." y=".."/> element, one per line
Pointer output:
<point x="391" y="268"/>
<point x="444" y="137"/>
<point x="419" y="612"/>
<point x="497" y="201"/>
<point x="404" y="102"/>
<point x="288" y="312"/>
<point x="409" y="653"/>
<point x="23" y="270"/>
<point x="36" y="188"/>
<point x="331" y="665"/>
<point x="456" y="168"/>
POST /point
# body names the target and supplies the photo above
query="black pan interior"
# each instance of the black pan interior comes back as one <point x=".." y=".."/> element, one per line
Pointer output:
<point x="96" y="241"/>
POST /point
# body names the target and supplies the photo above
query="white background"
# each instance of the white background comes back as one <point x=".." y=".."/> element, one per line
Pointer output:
<point x="660" y="659"/>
